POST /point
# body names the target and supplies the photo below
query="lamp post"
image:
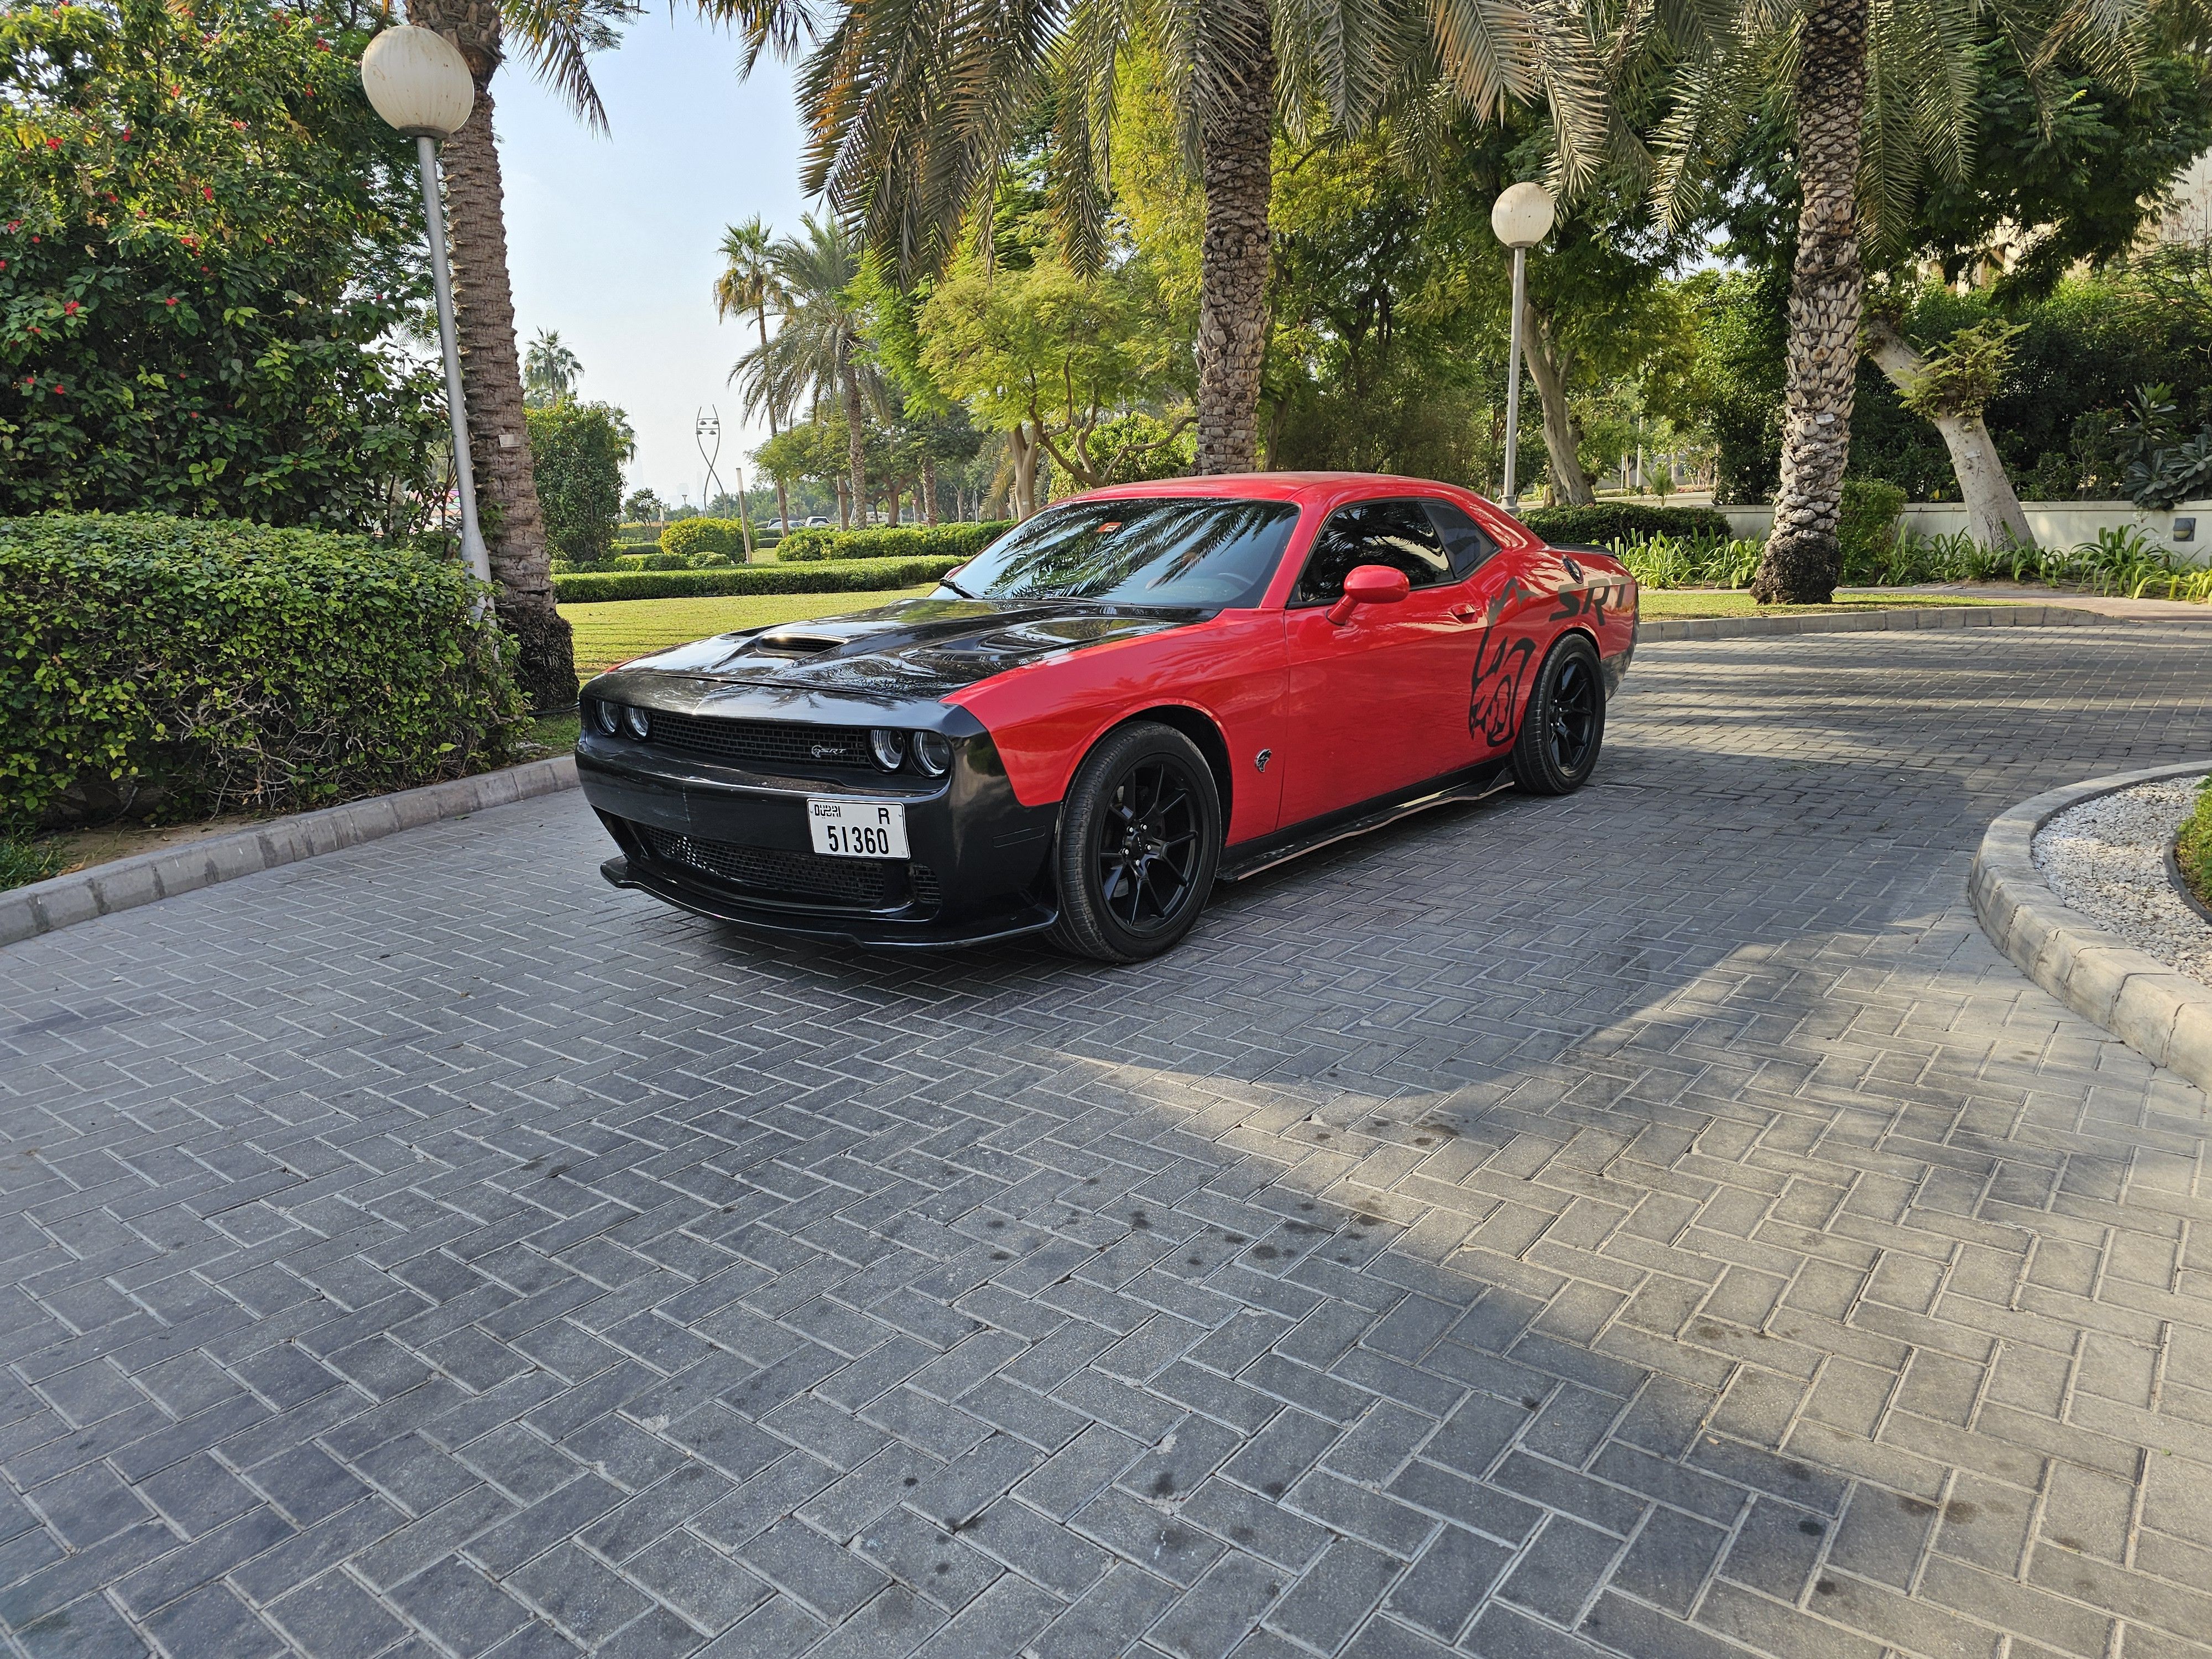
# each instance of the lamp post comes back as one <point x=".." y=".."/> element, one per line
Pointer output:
<point x="419" y="83"/>
<point x="1521" y="217"/>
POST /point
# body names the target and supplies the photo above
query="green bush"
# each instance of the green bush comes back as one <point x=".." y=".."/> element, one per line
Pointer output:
<point x="667" y="559"/>
<point x="174" y="667"/>
<point x="1867" y="528"/>
<point x="689" y="535"/>
<point x="852" y="576"/>
<point x="2192" y="848"/>
<point x="628" y="561"/>
<point x="576" y="456"/>
<point x="921" y="541"/>
<point x="1609" y="522"/>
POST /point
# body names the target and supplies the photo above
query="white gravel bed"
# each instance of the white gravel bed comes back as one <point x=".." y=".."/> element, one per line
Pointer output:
<point x="2106" y="858"/>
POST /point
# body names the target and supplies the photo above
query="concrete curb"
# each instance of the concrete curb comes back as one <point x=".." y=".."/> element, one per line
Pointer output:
<point x="2163" y="1015"/>
<point x="1910" y="619"/>
<point x="44" y="906"/>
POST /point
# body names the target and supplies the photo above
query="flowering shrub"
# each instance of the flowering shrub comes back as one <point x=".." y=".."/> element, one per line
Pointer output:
<point x="920" y="541"/>
<point x="207" y="240"/>
<point x="171" y="667"/>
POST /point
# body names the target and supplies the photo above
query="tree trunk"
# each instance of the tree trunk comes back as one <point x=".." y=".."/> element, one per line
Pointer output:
<point x="491" y="373"/>
<point x="1993" y="512"/>
<point x="1024" y="449"/>
<point x="929" y="490"/>
<point x="1802" y="562"/>
<point x="782" y="495"/>
<point x="1547" y="368"/>
<point x="844" y="510"/>
<point x="1234" y="145"/>
<point x="892" y="518"/>
<point x="855" y="451"/>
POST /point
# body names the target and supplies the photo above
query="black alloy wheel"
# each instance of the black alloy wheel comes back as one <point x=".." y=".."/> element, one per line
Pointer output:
<point x="1564" y="728"/>
<point x="1139" y="839"/>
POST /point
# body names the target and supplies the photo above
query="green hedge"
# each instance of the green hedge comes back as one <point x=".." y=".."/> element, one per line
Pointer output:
<point x="173" y="667"/>
<point x="921" y="541"/>
<point x="850" y="576"/>
<point x="1608" y="522"/>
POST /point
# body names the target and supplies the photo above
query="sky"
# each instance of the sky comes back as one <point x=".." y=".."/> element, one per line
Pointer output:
<point x="611" y="238"/>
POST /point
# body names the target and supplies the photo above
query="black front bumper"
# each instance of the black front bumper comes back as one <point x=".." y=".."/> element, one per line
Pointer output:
<point x="730" y="843"/>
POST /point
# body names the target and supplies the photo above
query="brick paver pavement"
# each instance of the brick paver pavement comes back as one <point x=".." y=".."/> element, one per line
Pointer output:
<point x="1653" y="1223"/>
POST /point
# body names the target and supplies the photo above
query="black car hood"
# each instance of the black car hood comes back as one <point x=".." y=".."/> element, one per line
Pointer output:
<point x="916" y="648"/>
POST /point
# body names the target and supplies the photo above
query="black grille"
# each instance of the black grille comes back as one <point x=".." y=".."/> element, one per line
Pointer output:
<point x="771" y="741"/>
<point x="860" y="883"/>
<point x="922" y="882"/>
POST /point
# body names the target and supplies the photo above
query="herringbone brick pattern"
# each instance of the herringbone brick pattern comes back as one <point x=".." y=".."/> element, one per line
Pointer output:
<point x="1651" y="1224"/>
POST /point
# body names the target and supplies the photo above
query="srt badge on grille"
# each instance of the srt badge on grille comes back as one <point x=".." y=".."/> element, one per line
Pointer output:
<point x="826" y="751"/>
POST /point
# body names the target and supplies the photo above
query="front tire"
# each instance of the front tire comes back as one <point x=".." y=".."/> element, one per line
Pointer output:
<point x="1139" y="840"/>
<point x="1564" y="728"/>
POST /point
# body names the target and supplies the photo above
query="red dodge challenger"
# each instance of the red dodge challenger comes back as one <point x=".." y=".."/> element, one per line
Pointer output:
<point x="1137" y="693"/>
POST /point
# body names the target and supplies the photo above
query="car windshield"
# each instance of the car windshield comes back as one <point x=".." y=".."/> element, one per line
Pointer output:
<point x="1180" y="551"/>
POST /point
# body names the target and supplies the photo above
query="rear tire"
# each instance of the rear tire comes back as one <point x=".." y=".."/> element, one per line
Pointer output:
<point x="1140" y="842"/>
<point x="1564" y="728"/>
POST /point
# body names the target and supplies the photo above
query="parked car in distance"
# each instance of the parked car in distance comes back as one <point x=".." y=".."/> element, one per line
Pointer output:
<point x="1135" y="694"/>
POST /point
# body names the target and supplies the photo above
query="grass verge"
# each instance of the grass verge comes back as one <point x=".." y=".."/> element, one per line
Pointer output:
<point x="24" y="861"/>
<point x="1675" y="603"/>
<point x="615" y="630"/>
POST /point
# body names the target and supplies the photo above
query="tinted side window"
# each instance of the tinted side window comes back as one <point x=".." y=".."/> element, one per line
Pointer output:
<point x="1464" y="540"/>
<point x="1394" y="534"/>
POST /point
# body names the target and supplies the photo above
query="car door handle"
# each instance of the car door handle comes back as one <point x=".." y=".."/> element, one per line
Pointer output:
<point x="1465" y="613"/>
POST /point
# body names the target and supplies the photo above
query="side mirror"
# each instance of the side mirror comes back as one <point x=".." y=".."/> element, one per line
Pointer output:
<point x="1368" y="584"/>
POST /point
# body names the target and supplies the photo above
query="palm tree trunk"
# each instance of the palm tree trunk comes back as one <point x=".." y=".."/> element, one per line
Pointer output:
<point x="491" y="373"/>
<point x="1547" y="368"/>
<point x="1233" y="146"/>
<point x="782" y="495"/>
<point x="855" y="454"/>
<point x="1827" y="288"/>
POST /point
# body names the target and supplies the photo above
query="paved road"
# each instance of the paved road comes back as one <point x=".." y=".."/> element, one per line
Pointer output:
<point x="1655" y="1222"/>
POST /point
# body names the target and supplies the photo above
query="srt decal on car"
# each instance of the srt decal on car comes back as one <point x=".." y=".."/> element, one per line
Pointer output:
<point x="1496" y="688"/>
<point x="1581" y="597"/>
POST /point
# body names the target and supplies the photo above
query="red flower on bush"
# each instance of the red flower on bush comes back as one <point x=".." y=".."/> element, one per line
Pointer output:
<point x="126" y="135"/>
<point x="71" y="308"/>
<point x="171" y="301"/>
<point x="54" y="143"/>
<point x="60" y="391"/>
<point x="207" y="191"/>
<point x="14" y="224"/>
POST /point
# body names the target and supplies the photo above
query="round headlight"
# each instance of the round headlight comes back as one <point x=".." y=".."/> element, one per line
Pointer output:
<point x="639" y="723"/>
<point x="888" y="747"/>
<point x="606" y="716"/>
<point x="932" y="753"/>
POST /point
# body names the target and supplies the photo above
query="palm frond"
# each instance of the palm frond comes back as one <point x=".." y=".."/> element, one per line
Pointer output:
<point x="557" y="37"/>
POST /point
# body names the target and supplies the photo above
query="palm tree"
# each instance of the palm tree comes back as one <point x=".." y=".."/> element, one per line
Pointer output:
<point x="816" y="356"/>
<point x="549" y="369"/>
<point x="1881" y="96"/>
<point x="749" y="283"/>
<point x="914" y="105"/>
<point x="555" y="37"/>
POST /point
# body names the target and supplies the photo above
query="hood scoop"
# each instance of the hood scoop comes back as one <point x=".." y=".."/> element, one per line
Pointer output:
<point x="782" y="644"/>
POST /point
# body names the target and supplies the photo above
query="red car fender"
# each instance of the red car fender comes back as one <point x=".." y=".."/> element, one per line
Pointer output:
<point x="1045" y="716"/>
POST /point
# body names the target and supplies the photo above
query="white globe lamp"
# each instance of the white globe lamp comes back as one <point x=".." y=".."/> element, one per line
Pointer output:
<point x="1521" y="215"/>
<point x="418" y="82"/>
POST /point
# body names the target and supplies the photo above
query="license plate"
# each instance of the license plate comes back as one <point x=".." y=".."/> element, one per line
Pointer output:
<point x="857" y="828"/>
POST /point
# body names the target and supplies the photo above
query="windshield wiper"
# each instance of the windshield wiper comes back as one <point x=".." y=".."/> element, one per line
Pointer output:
<point x="947" y="581"/>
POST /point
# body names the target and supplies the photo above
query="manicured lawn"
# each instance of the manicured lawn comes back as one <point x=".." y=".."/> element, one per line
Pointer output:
<point x="1667" y="604"/>
<point x="618" y="630"/>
